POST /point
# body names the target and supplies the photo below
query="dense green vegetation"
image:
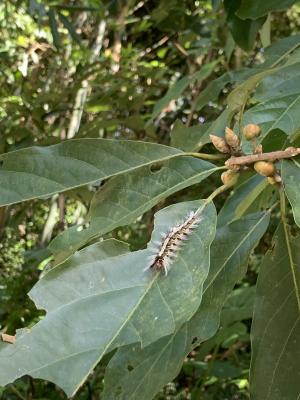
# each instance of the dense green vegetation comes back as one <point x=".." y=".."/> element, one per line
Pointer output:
<point x="107" y="110"/>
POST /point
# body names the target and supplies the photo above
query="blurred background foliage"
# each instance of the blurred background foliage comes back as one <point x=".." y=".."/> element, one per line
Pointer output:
<point x="74" y="69"/>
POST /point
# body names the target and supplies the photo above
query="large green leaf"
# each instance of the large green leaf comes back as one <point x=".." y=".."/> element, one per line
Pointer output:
<point x="239" y="305"/>
<point x="280" y="113"/>
<point x="290" y="171"/>
<point x="242" y="200"/>
<point x="95" y="305"/>
<point x="283" y="82"/>
<point x="277" y="56"/>
<point x="211" y="92"/>
<point x="281" y="51"/>
<point x="229" y="255"/>
<point x="124" y="198"/>
<point x="41" y="171"/>
<point x="244" y="31"/>
<point x="276" y="323"/>
<point x="193" y="138"/>
<point x="135" y="373"/>
<point x="239" y="96"/>
<point x="256" y="8"/>
<point x="189" y="138"/>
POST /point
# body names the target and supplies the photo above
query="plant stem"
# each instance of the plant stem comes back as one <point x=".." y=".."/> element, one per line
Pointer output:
<point x="16" y="392"/>
<point x="214" y="194"/>
<point x="206" y="156"/>
<point x="273" y="155"/>
<point x="218" y="191"/>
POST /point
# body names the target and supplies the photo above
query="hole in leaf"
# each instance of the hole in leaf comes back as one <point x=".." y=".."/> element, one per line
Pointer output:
<point x="194" y="340"/>
<point x="1" y="163"/>
<point x="118" y="391"/>
<point x="154" y="168"/>
<point x="130" y="367"/>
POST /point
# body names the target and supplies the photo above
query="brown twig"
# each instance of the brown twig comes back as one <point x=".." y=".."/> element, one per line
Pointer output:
<point x="273" y="155"/>
<point x="3" y="217"/>
<point x="232" y="349"/>
<point x="7" y="338"/>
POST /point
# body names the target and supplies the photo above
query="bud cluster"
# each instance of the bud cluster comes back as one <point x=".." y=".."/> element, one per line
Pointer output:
<point x="230" y="144"/>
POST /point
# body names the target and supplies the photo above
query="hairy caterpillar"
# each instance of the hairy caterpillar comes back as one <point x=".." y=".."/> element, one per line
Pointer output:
<point x="172" y="242"/>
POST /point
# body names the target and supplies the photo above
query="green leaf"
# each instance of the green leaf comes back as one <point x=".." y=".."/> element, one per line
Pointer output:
<point x="179" y="87"/>
<point x="189" y="138"/>
<point x="276" y="323"/>
<point x="265" y="32"/>
<point x="70" y="28"/>
<point x="229" y="256"/>
<point x="73" y="8"/>
<point x="242" y="199"/>
<point x="224" y="334"/>
<point x="212" y="90"/>
<point x="135" y="373"/>
<point x="42" y="171"/>
<point x="277" y="56"/>
<point x="290" y="172"/>
<point x="239" y="305"/>
<point x="54" y="28"/>
<point x="281" y="83"/>
<point x="256" y="8"/>
<point x="281" y="50"/>
<point x="244" y="31"/>
<point x="95" y="305"/>
<point x="124" y="198"/>
<point x="279" y="113"/>
<point x="193" y="138"/>
<point x="225" y="369"/>
<point x="239" y="96"/>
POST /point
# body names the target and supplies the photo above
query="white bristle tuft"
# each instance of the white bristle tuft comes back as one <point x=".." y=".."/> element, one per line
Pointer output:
<point x="166" y="251"/>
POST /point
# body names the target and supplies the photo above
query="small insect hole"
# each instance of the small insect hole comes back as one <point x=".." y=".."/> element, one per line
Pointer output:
<point x="1" y="163"/>
<point x="118" y="391"/>
<point x="154" y="168"/>
<point x="195" y="339"/>
<point x="130" y="368"/>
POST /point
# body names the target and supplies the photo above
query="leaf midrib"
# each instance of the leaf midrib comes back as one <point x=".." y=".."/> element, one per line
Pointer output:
<point x="153" y="280"/>
<point x="212" y="281"/>
<point x="283" y="114"/>
<point x="157" y="359"/>
<point x="141" y="208"/>
<point x="88" y="182"/>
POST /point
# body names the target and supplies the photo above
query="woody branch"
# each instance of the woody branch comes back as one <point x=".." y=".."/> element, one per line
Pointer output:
<point x="271" y="156"/>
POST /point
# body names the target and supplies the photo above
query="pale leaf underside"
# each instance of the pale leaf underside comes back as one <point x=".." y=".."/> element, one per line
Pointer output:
<point x="95" y="305"/>
<point x="157" y="364"/>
